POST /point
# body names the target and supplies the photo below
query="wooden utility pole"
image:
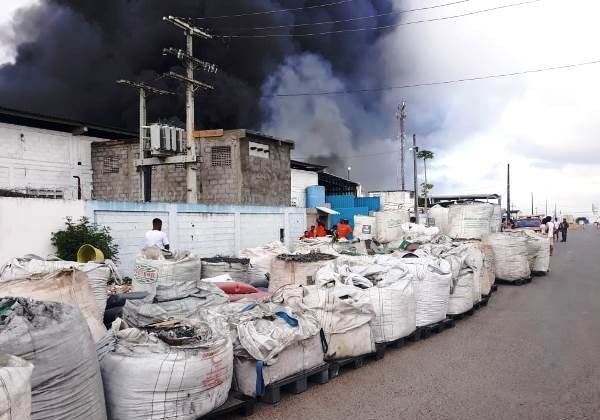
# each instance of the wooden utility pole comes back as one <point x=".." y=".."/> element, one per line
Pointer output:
<point x="508" y="217"/>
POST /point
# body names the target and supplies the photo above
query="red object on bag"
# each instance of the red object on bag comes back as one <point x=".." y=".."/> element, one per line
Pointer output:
<point x="236" y="288"/>
<point x="251" y="296"/>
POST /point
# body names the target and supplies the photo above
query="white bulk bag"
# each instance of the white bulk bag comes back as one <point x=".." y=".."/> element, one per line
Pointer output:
<point x="364" y="228"/>
<point x="146" y="378"/>
<point x="261" y="259"/>
<point x="98" y="274"/>
<point x="488" y="273"/>
<point x="439" y="215"/>
<point x="15" y="389"/>
<point x="469" y="220"/>
<point x="432" y="288"/>
<point x="289" y="270"/>
<point x="538" y="250"/>
<point x="165" y="278"/>
<point x="67" y="286"/>
<point x="463" y="281"/>
<point x="418" y="233"/>
<point x="238" y="269"/>
<point x="510" y="251"/>
<point x="496" y="223"/>
<point x="388" y="225"/>
<point x="345" y="313"/>
<point x="66" y="382"/>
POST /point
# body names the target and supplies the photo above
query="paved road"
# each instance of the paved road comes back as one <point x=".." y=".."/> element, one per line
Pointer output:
<point x="533" y="353"/>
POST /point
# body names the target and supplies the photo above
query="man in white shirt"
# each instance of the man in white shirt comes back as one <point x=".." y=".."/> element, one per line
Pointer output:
<point x="550" y="232"/>
<point x="156" y="237"/>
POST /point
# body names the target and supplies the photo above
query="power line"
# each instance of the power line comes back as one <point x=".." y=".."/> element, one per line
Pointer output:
<point x="376" y="28"/>
<point x="270" y="12"/>
<point x="330" y="22"/>
<point x="353" y="156"/>
<point x="445" y="82"/>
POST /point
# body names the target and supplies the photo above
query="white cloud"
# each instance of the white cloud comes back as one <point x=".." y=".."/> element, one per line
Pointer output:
<point x="8" y="37"/>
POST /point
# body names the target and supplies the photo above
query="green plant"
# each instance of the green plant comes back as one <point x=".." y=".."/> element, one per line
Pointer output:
<point x="426" y="188"/>
<point x="68" y="240"/>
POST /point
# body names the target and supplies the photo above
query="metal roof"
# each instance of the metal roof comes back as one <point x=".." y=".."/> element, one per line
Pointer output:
<point x="30" y="119"/>
<point x="269" y="137"/>
<point x="296" y="164"/>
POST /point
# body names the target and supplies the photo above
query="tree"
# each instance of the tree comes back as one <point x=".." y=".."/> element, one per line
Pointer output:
<point x="68" y="241"/>
<point x="426" y="155"/>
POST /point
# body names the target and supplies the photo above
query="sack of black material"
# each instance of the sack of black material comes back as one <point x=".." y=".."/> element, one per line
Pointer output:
<point x="54" y="337"/>
<point x="15" y="392"/>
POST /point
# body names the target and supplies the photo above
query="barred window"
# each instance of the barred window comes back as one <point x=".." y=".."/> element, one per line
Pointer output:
<point x="220" y="155"/>
<point x="111" y="165"/>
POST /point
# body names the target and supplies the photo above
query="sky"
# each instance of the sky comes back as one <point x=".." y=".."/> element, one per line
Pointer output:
<point x="545" y="124"/>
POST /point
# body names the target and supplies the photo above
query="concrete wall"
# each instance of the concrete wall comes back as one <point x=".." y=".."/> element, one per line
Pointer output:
<point x="115" y="174"/>
<point x="300" y="180"/>
<point x="27" y="223"/>
<point x="32" y="158"/>
<point x="219" y="184"/>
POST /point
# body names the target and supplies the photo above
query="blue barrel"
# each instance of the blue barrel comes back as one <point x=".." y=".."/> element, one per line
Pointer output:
<point x="315" y="196"/>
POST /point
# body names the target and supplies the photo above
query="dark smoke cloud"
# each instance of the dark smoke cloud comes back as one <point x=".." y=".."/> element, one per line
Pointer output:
<point x="80" y="47"/>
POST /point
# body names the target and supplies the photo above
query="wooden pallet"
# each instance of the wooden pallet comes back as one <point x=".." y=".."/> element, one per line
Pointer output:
<point x="427" y="331"/>
<point x="236" y="404"/>
<point x="538" y="273"/>
<point x="335" y="366"/>
<point x="458" y="317"/>
<point x="519" y="282"/>
<point x="494" y="288"/>
<point x="485" y="299"/>
<point x="295" y="384"/>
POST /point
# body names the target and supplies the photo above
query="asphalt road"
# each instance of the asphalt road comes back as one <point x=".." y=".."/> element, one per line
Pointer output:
<point x="532" y="353"/>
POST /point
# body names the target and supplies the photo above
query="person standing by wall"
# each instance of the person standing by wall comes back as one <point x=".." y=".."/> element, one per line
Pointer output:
<point x="156" y="237"/>
<point x="564" y="227"/>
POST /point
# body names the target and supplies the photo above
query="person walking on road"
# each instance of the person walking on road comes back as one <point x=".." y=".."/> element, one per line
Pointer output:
<point x="156" y="237"/>
<point x="564" y="227"/>
<point x="556" y="229"/>
<point x="549" y="231"/>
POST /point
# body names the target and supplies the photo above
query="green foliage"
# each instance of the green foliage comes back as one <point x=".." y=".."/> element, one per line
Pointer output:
<point x="425" y="154"/>
<point x="426" y="188"/>
<point x="68" y="241"/>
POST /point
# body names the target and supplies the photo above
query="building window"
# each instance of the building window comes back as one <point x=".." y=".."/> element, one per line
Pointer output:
<point x="180" y="166"/>
<point x="258" y="150"/>
<point x="220" y="155"/>
<point x="111" y="165"/>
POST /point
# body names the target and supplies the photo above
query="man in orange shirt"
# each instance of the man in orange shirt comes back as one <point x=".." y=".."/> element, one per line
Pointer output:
<point x="311" y="232"/>
<point x="343" y="229"/>
<point x="321" y="230"/>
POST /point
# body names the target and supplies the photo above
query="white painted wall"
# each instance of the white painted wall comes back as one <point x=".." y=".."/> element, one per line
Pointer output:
<point x="26" y="224"/>
<point x="45" y="159"/>
<point x="301" y="180"/>
<point x="394" y="199"/>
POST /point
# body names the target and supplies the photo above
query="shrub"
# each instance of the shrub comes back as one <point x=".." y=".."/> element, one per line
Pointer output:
<point x="68" y="241"/>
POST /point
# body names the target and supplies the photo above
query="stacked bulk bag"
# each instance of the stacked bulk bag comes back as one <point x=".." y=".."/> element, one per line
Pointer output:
<point x="538" y="251"/>
<point x="496" y="223"/>
<point x="432" y="277"/>
<point x="296" y="269"/>
<point x="365" y="228"/>
<point x="180" y="371"/>
<point x="139" y="313"/>
<point x="345" y="313"/>
<point x="66" y="383"/>
<point x="510" y="252"/>
<point x="488" y="272"/>
<point x="165" y="278"/>
<point x="272" y="341"/>
<point x="261" y="259"/>
<point x="388" y="225"/>
<point x="98" y="274"/>
<point x="15" y="389"/>
<point x="469" y="220"/>
<point x="67" y="286"/>
<point x="418" y="233"/>
<point x="439" y="215"/>
<point x="238" y="269"/>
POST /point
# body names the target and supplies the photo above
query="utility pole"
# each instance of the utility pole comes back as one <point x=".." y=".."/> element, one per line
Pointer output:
<point x="145" y="91"/>
<point x="401" y="116"/>
<point x="415" y="180"/>
<point x="532" y="213"/>
<point x="546" y="214"/>
<point x="191" y="85"/>
<point x="508" y="194"/>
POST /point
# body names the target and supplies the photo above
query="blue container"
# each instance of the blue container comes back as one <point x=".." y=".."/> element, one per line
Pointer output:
<point x="315" y="196"/>
<point x="373" y="203"/>
<point x="340" y="201"/>
<point x="348" y="213"/>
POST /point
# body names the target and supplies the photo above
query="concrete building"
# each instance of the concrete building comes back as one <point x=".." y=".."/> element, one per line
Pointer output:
<point x="395" y="199"/>
<point x="50" y="157"/>
<point x="234" y="167"/>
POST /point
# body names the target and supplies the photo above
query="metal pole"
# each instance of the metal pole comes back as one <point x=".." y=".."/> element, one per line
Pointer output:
<point x="191" y="180"/>
<point x="508" y="217"/>
<point x="402" y="116"/>
<point x="142" y="124"/>
<point x="426" y="193"/>
<point x="415" y="180"/>
<point x="532" y="213"/>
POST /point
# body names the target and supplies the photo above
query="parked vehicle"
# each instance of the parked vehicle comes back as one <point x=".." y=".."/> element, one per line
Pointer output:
<point x="528" y="223"/>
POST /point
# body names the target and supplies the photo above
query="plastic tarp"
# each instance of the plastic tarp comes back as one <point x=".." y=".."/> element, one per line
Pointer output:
<point x="510" y="251"/>
<point x="469" y="220"/>
<point x="365" y="228"/>
<point x="538" y="251"/>
<point x="98" y="274"/>
<point x="138" y="313"/>
<point x="388" y="225"/>
<point x="147" y="378"/>
<point x="66" y="286"/>
<point x="345" y="314"/>
<point x="15" y="388"/>
<point x="440" y="218"/>
<point x="165" y="278"/>
<point x="66" y="383"/>
<point x="261" y="259"/>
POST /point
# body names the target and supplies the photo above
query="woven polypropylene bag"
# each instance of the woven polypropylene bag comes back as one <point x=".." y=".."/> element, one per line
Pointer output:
<point x="510" y="251"/>
<point x="15" y="388"/>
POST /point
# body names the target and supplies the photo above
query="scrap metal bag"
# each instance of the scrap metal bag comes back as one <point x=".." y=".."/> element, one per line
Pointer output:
<point x="469" y="220"/>
<point x="440" y="218"/>
<point x="15" y="389"/>
<point x="146" y="378"/>
<point x="139" y="313"/>
<point x="388" y="225"/>
<point x="433" y="277"/>
<point x="261" y="259"/>
<point x="510" y="251"/>
<point x="66" y="382"/>
<point x="538" y="251"/>
<point x="165" y="278"/>
<point x="66" y="286"/>
<point x="98" y="274"/>
<point x="345" y="313"/>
